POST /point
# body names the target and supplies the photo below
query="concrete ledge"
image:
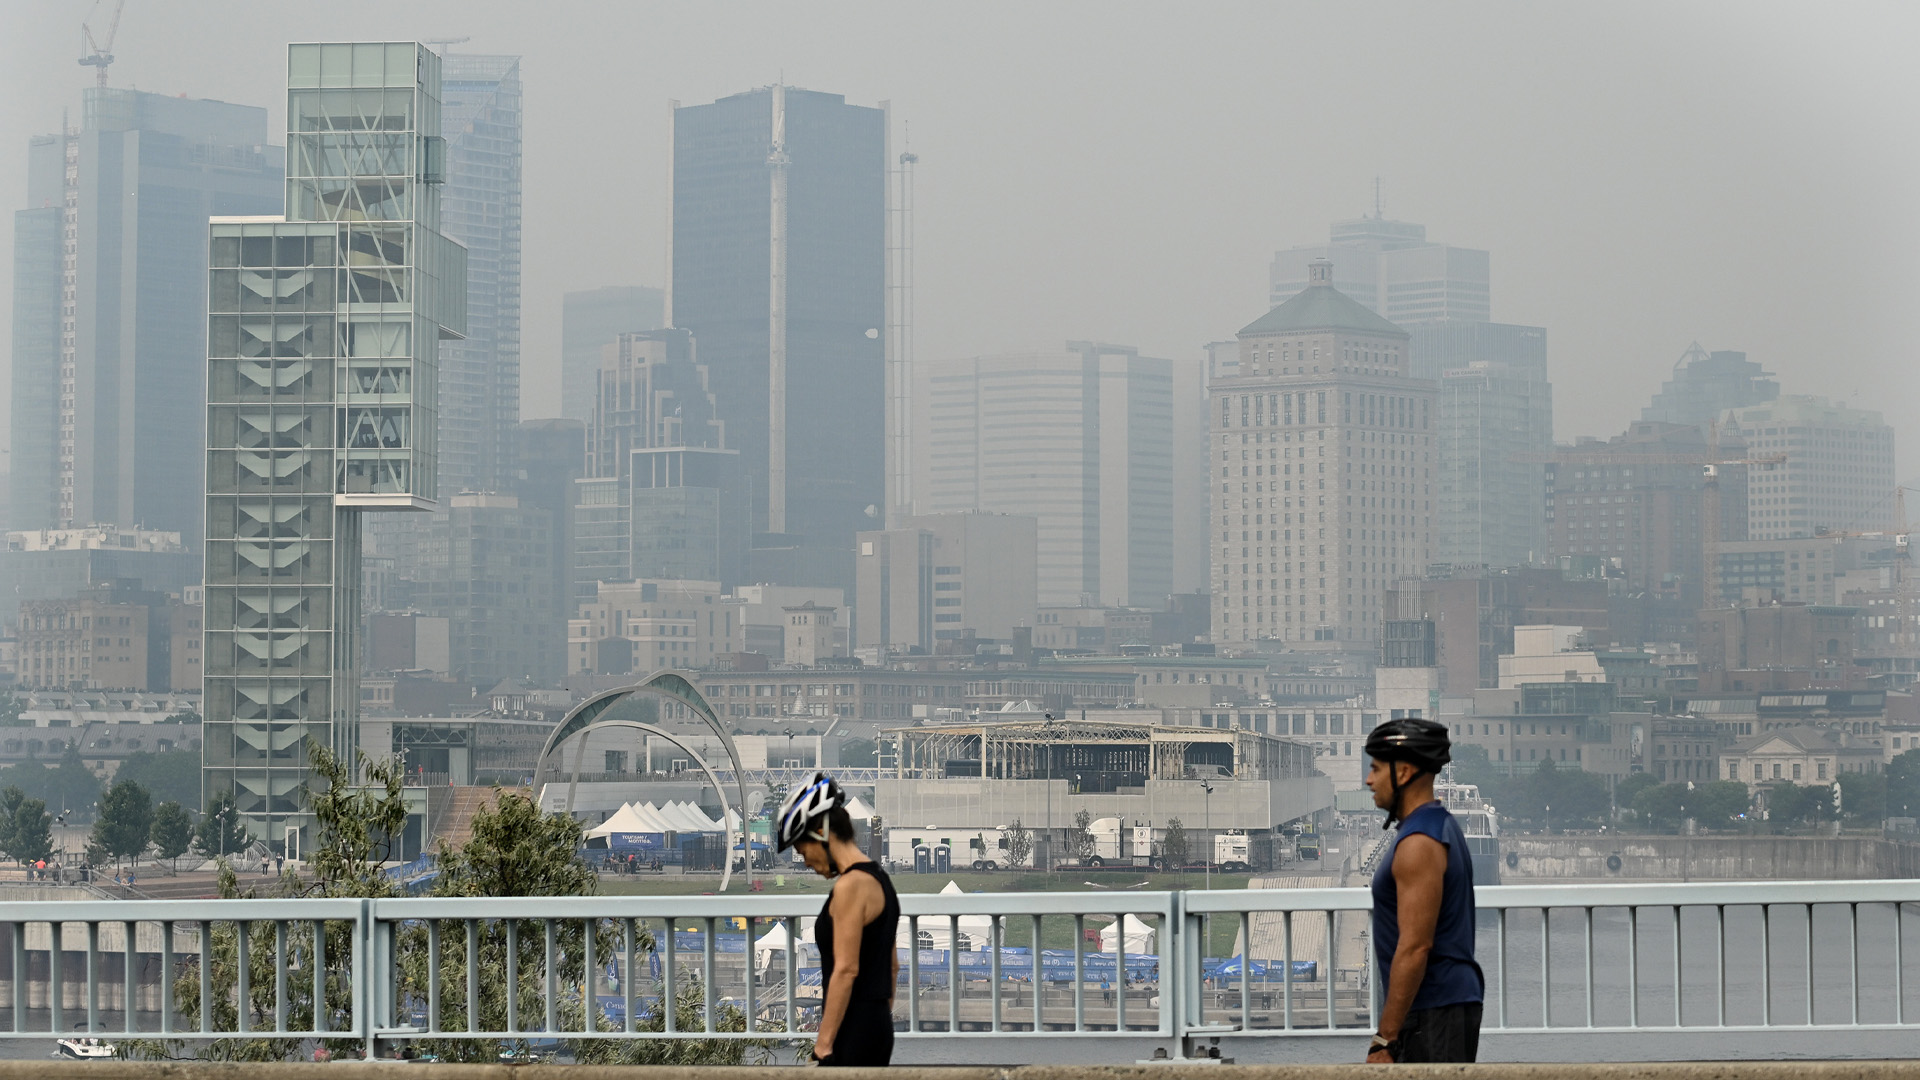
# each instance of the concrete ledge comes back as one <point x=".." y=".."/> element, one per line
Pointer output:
<point x="1697" y="1070"/>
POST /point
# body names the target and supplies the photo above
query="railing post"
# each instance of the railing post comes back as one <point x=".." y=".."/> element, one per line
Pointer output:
<point x="366" y="979"/>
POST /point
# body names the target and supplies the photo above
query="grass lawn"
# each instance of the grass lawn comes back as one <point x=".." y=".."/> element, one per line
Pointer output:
<point x="1056" y="932"/>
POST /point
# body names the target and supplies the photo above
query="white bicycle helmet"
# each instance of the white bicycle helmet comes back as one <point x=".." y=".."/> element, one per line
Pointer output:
<point x="803" y="813"/>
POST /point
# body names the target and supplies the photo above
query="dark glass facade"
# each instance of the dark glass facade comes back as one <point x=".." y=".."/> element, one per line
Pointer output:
<point x="725" y="180"/>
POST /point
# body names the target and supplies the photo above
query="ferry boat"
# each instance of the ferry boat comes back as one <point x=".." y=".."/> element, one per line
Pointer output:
<point x="1481" y="824"/>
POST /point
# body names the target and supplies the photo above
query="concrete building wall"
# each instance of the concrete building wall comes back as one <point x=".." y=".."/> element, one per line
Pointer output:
<point x="945" y="577"/>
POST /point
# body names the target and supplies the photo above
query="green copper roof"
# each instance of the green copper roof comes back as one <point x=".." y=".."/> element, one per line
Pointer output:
<point x="1321" y="307"/>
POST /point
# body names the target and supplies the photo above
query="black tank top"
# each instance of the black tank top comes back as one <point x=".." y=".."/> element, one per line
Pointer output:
<point x="875" y="981"/>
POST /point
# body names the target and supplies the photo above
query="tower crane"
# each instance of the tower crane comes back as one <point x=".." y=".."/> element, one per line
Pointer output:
<point x="1710" y="508"/>
<point x="100" y="53"/>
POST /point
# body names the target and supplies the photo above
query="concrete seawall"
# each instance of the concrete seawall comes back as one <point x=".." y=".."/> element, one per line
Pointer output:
<point x="1606" y="857"/>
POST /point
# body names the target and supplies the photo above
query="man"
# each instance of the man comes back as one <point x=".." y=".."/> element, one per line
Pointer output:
<point x="1423" y="915"/>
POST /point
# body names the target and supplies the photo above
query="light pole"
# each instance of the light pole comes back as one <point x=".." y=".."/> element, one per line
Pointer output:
<point x="1047" y="834"/>
<point x="1206" y="788"/>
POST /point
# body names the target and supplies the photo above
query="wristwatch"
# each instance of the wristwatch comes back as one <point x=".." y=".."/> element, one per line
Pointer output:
<point x="1381" y="1042"/>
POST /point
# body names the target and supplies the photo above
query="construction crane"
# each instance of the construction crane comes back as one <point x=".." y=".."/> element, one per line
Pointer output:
<point x="100" y="54"/>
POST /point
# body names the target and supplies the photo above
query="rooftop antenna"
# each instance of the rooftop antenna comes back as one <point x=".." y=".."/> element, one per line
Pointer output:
<point x="444" y="42"/>
<point x="99" y="55"/>
<point x="1377" y="216"/>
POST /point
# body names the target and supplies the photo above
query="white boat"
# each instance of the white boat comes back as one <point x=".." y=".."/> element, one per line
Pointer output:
<point x="83" y="1048"/>
<point x="1481" y="824"/>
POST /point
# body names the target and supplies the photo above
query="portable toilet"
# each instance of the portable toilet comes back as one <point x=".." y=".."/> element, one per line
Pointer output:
<point x="922" y="859"/>
<point x="943" y="859"/>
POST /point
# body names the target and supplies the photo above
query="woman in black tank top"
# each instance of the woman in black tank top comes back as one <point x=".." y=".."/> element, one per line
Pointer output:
<point x="856" y="929"/>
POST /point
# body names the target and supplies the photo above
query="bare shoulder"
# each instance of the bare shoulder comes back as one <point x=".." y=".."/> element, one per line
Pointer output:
<point x="857" y="892"/>
<point x="1417" y="854"/>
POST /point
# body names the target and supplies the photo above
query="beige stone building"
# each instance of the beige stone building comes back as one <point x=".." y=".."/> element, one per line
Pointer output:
<point x="1798" y="755"/>
<point x="1323" y="446"/>
<point x="110" y="638"/>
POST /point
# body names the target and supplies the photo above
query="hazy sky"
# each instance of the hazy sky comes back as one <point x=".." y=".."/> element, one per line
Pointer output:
<point x="1743" y="174"/>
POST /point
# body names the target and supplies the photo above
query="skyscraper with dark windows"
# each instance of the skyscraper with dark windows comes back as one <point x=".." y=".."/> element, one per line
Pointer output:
<point x="779" y="271"/>
<point x="324" y="335"/>
<point x="110" y="261"/>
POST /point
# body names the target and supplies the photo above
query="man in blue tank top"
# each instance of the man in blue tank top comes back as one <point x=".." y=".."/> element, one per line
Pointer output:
<point x="1423" y="917"/>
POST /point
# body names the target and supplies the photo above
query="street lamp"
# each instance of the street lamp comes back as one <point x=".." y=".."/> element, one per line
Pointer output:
<point x="1047" y="728"/>
<point x="1206" y="788"/>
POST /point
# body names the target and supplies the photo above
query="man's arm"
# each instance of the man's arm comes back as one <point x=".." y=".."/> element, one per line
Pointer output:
<point x="1419" y="872"/>
<point x="856" y="900"/>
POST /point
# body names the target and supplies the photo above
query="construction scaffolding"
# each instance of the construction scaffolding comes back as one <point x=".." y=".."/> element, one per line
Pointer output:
<point x="1095" y="756"/>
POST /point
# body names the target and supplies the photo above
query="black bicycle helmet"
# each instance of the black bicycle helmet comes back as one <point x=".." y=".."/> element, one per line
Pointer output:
<point x="1421" y="743"/>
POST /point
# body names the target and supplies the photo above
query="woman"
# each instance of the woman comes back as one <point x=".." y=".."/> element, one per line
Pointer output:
<point x="855" y="931"/>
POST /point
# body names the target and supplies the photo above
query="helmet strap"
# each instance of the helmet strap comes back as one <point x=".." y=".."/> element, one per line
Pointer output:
<point x="1393" y="804"/>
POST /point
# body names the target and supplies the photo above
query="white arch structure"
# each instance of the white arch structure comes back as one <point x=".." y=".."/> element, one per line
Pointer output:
<point x="675" y="686"/>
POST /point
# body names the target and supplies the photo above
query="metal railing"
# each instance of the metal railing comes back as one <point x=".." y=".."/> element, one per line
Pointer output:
<point x="1150" y="969"/>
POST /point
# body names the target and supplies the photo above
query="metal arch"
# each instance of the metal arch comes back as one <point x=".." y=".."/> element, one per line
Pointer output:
<point x="669" y="683"/>
<point x="746" y="843"/>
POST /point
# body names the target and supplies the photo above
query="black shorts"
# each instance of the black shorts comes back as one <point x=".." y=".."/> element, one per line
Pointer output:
<point x="865" y="1036"/>
<point x="1448" y="1033"/>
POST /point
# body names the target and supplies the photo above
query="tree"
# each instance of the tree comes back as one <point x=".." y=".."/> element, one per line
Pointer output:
<point x="1863" y="796"/>
<point x="1790" y="804"/>
<point x="169" y="776"/>
<point x="1629" y="789"/>
<point x="10" y="709"/>
<point x="26" y="829"/>
<point x="125" y="823"/>
<point x="1712" y="805"/>
<point x="515" y="849"/>
<point x="1173" y="846"/>
<point x="1019" y="844"/>
<point x="1080" y="841"/>
<point x="1903" y="784"/>
<point x="221" y="833"/>
<point x="172" y="831"/>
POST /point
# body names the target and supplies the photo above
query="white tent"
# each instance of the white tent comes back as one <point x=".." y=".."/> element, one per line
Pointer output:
<point x="858" y="810"/>
<point x="976" y="931"/>
<point x="657" y="822"/>
<point x="1139" y="936"/>
<point x="776" y="941"/>
<point x="687" y="818"/>
<point x="624" y="820"/>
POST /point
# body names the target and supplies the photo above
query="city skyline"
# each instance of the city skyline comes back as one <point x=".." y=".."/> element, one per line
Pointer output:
<point x="1723" y="247"/>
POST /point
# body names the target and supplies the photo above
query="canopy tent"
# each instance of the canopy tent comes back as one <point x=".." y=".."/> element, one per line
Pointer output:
<point x="976" y="931"/>
<point x="1139" y="936"/>
<point x="687" y="818"/>
<point x="776" y="940"/>
<point x="623" y="820"/>
<point x="650" y="814"/>
<point x="858" y="810"/>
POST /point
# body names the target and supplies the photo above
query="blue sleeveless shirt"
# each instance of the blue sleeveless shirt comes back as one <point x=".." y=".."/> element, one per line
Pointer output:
<point x="1452" y="976"/>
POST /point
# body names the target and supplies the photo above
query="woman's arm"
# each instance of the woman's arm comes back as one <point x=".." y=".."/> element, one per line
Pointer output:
<point x="857" y="901"/>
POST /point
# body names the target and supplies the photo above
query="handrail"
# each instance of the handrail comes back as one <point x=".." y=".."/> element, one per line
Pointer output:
<point x="1160" y="969"/>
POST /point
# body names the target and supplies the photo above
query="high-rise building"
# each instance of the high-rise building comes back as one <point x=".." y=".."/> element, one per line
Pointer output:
<point x="945" y="577"/>
<point x="488" y="572"/>
<point x="589" y="322"/>
<point x="322" y="372"/>
<point x="1392" y="269"/>
<point x="1494" y="434"/>
<point x="1081" y="440"/>
<point x="779" y="270"/>
<point x="110" y="266"/>
<point x="110" y="637"/>
<point x="46" y="564"/>
<point x="550" y="456"/>
<point x="658" y="435"/>
<point x="1638" y="505"/>
<point x="1706" y="384"/>
<point x="479" y="401"/>
<point x="1838" y="474"/>
<point x="1323" y="424"/>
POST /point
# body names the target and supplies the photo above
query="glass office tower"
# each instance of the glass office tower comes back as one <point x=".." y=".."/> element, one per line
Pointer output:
<point x="322" y="336"/>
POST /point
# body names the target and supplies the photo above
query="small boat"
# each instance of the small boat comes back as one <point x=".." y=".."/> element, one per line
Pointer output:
<point x="83" y="1048"/>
